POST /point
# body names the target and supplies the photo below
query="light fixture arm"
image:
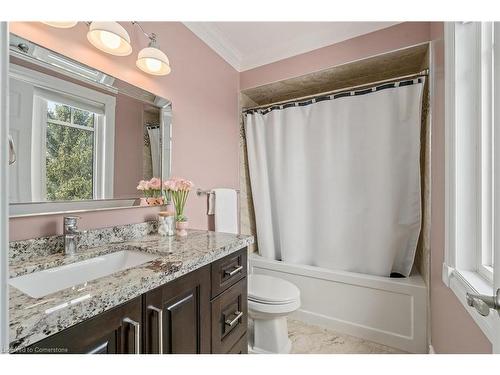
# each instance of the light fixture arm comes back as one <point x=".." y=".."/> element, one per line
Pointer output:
<point x="153" y="41"/>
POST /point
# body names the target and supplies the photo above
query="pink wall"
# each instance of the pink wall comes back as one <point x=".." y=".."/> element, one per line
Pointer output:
<point x="203" y="89"/>
<point x="452" y="328"/>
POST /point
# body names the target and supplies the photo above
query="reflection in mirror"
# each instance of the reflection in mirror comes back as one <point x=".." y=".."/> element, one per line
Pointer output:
<point x="79" y="134"/>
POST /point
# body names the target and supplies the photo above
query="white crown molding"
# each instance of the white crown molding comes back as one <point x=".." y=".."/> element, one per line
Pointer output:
<point x="217" y="42"/>
<point x="215" y="38"/>
<point x="302" y="44"/>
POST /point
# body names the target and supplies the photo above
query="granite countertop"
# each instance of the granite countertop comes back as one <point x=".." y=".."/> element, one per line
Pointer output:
<point x="32" y="319"/>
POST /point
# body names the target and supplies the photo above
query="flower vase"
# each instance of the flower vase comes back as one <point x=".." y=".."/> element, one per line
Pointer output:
<point x="170" y="207"/>
<point x="151" y="201"/>
<point x="181" y="227"/>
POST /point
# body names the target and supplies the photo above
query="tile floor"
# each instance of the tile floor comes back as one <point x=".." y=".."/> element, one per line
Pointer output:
<point x="310" y="339"/>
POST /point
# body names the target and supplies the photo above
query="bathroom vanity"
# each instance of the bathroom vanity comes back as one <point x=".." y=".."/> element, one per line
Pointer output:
<point x="191" y="297"/>
<point x="122" y="289"/>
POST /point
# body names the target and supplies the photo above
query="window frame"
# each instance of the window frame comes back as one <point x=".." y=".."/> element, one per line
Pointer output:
<point x="104" y="128"/>
<point x="468" y="178"/>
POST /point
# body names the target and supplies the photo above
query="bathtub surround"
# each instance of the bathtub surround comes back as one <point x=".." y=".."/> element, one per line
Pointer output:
<point x="351" y="166"/>
<point x="406" y="61"/>
<point x="371" y="69"/>
<point x="388" y="311"/>
<point x="34" y="319"/>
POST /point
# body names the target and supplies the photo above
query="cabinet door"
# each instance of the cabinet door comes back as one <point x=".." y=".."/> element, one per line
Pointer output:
<point x="177" y="315"/>
<point x="112" y="332"/>
<point x="229" y="317"/>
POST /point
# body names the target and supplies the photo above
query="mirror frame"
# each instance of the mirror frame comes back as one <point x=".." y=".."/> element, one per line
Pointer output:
<point x="22" y="48"/>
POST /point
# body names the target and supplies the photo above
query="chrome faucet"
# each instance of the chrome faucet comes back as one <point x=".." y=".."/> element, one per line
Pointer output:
<point x="71" y="233"/>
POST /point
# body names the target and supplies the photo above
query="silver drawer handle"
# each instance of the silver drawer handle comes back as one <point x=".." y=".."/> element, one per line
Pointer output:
<point x="231" y="323"/>
<point x="160" y="326"/>
<point x="137" y="334"/>
<point x="233" y="272"/>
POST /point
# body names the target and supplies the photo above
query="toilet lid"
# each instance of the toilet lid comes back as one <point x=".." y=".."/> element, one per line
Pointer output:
<point x="271" y="290"/>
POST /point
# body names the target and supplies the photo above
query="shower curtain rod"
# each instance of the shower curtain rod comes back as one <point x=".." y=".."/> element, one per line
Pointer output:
<point x="345" y="89"/>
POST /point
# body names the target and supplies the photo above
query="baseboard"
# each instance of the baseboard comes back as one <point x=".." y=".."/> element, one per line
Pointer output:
<point x="364" y="332"/>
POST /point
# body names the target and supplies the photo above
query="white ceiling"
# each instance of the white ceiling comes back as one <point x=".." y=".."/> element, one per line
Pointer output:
<point x="246" y="45"/>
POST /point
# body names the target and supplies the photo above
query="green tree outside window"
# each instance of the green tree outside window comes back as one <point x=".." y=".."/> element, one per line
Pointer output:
<point x="70" y="153"/>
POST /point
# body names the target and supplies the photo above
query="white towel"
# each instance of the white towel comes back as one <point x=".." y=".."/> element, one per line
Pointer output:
<point x="226" y="210"/>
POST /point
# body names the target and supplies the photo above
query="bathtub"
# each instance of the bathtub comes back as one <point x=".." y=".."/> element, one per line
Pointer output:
<point x="389" y="311"/>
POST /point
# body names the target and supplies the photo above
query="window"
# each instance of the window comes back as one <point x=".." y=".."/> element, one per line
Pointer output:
<point x="470" y="69"/>
<point x="470" y="147"/>
<point x="70" y="155"/>
<point x="74" y="128"/>
<point x="471" y="81"/>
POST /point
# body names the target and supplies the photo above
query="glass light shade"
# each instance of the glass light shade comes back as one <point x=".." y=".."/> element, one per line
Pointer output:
<point x="110" y="37"/>
<point x="61" y="24"/>
<point x="153" y="61"/>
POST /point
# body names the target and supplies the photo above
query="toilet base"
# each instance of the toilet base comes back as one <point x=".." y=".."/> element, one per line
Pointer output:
<point x="254" y="350"/>
<point x="269" y="336"/>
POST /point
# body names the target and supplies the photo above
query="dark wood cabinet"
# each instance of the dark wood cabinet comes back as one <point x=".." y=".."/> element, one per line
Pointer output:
<point x="227" y="271"/>
<point x="229" y="317"/>
<point x="177" y="315"/>
<point x="241" y="347"/>
<point x="112" y="332"/>
<point x="204" y="311"/>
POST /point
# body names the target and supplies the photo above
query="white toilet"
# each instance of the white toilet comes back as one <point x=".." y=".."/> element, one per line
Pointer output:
<point x="270" y="301"/>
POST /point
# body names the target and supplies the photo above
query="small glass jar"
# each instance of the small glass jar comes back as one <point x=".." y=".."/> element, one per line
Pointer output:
<point x="166" y="223"/>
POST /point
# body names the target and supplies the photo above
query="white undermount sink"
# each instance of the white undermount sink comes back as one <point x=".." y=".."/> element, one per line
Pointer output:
<point x="42" y="283"/>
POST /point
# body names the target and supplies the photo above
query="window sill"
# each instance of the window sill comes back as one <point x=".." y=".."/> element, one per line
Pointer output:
<point x="461" y="282"/>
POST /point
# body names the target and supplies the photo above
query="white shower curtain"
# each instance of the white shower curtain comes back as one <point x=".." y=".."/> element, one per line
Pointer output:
<point x="336" y="183"/>
<point x="154" y="141"/>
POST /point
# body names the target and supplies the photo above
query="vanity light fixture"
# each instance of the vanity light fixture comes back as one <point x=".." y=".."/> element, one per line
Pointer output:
<point x="109" y="37"/>
<point x="61" y="24"/>
<point x="112" y="38"/>
<point x="151" y="59"/>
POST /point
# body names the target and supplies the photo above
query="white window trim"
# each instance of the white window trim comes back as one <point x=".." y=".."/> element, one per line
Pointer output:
<point x="104" y="150"/>
<point x="4" y="188"/>
<point x="460" y="275"/>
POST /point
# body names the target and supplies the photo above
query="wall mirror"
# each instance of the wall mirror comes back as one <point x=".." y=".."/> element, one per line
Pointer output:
<point x="80" y="139"/>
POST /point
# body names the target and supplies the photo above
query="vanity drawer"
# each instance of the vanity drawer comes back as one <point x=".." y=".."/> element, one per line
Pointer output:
<point x="228" y="270"/>
<point x="229" y="317"/>
<point x="241" y="347"/>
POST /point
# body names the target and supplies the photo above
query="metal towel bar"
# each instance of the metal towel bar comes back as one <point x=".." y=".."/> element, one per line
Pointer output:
<point x="200" y="192"/>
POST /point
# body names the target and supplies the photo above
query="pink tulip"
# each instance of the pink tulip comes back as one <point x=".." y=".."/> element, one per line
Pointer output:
<point x="155" y="183"/>
<point x="143" y="185"/>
